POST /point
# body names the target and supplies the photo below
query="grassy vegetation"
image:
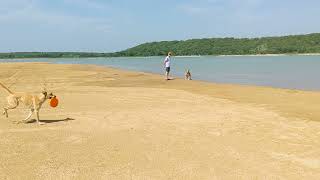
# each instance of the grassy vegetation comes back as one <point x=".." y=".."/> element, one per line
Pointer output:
<point x="295" y="44"/>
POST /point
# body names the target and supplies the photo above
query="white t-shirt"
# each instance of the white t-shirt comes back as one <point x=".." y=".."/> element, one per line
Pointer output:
<point x="167" y="61"/>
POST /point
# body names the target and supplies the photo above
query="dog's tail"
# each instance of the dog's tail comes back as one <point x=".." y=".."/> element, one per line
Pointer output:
<point x="8" y="90"/>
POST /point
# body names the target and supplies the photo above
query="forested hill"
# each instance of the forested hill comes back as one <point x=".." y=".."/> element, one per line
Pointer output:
<point x="230" y="46"/>
<point x="52" y="55"/>
<point x="294" y="44"/>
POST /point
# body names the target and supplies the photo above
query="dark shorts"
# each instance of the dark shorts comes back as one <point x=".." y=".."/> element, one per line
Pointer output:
<point x="167" y="69"/>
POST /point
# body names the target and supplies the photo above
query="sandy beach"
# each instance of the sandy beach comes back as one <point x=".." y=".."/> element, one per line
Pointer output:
<point x="115" y="124"/>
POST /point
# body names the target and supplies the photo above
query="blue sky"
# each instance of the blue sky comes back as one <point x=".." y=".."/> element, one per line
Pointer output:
<point x="111" y="25"/>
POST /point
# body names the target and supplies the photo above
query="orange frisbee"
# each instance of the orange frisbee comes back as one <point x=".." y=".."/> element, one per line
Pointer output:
<point x="54" y="102"/>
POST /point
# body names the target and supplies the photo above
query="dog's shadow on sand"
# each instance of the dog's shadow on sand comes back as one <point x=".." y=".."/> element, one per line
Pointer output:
<point x="47" y="121"/>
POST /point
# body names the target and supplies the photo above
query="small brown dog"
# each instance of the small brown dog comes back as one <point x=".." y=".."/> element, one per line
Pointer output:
<point x="187" y="75"/>
<point x="33" y="102"/>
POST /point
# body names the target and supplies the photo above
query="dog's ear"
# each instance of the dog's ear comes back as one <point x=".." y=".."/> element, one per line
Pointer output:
<point x="45" y="93"/>
<point x="44" y="89"/>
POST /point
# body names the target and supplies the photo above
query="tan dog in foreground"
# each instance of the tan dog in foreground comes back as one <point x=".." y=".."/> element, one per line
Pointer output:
<point x="33" y="102"/>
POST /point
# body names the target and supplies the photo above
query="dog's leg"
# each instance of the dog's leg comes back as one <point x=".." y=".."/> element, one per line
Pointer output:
<point x="12" y="104"/>
<point x="38" y="120"/>
<point x="37" y="107"/>
<point x="28" y="117"/>
<point x="5" y="112"/>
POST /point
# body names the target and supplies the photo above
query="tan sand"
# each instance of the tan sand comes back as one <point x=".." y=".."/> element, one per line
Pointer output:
<point x="114" y="124"/>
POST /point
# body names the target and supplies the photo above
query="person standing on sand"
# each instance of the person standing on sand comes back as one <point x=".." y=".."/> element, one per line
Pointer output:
<point x="166" y="63"/>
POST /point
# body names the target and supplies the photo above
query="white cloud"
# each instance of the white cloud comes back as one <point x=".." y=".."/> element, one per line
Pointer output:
<point x="91" y="4"/>
<point x="193" y="10"/>
<point x="11" y="6"/>
<point x="219" y="6"/>
<point x="29" y="13"/>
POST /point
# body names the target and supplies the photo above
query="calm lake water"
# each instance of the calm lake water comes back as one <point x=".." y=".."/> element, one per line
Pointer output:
<point x="294" y="72"/>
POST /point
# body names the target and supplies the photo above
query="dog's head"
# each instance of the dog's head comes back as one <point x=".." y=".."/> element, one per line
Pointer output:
<point x="48" y="95"/>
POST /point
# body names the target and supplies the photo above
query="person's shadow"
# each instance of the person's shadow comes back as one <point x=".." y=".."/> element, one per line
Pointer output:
<point x="51" y="121"/>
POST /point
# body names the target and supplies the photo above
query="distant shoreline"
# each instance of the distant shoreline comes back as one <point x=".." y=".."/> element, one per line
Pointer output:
<point x="186" y="56"/>
<point x="292" y="45"/>
<point x="302" y="54"/>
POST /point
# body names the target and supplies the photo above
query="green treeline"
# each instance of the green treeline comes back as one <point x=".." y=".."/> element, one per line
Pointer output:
<point x="295" y="44"/>
<point x="51" y="55"/>
<point x="230" y="46"/>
